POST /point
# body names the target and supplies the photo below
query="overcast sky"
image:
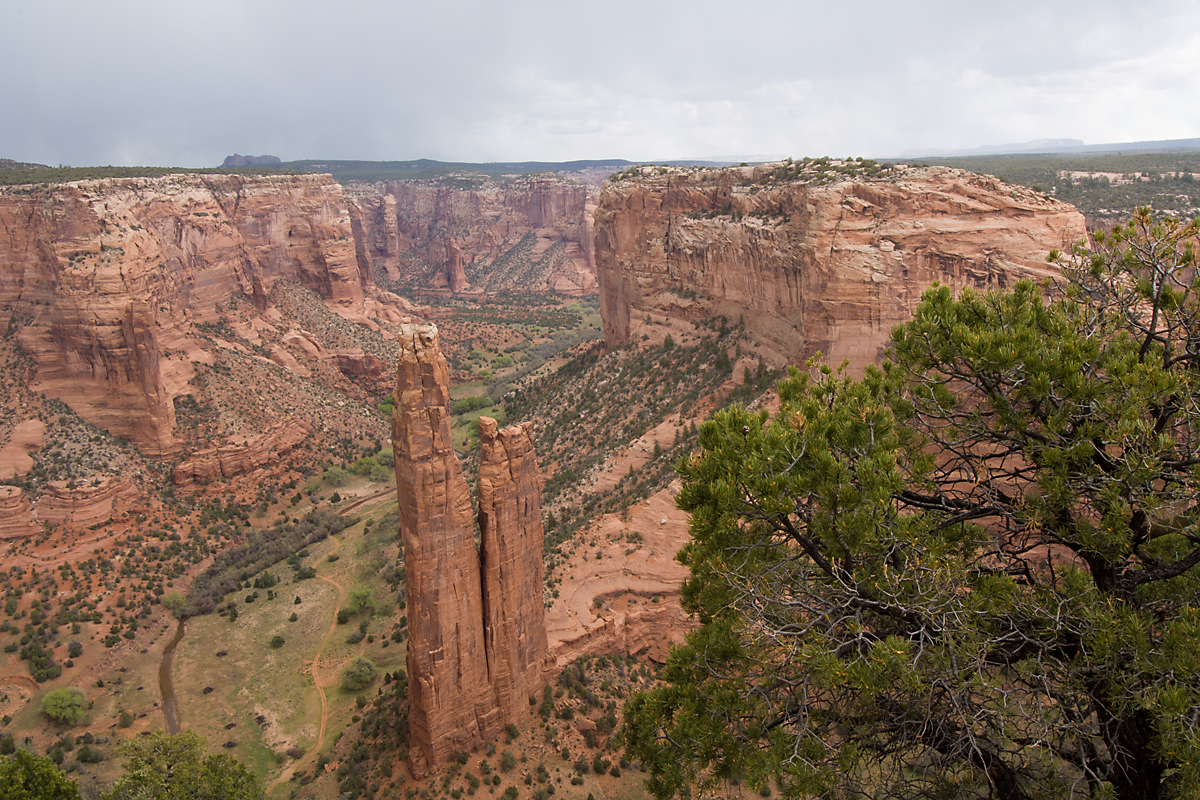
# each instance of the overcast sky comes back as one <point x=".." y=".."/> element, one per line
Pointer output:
<point x="160" y="82"/>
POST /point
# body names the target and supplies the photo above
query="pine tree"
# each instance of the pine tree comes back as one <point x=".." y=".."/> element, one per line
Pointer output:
<point x="972" y="572"/>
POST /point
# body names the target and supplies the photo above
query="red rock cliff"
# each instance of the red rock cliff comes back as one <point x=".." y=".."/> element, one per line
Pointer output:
<point x="810" y="259"/>
<point x="482" y="235"/>
<point x="476" y="631"/>
<point x="102" y="275"/>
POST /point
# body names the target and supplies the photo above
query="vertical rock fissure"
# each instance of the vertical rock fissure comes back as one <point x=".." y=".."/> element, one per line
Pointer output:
<point x="488" y="644"/>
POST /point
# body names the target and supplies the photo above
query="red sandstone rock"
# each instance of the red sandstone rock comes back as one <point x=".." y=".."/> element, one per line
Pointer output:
<point x="477" y="634"/>
<point x="16" y="514"/>
<point x="354" y="362"/>
<point x="452" y="227"/>
<point x="809" y="267"/>
<point x="286" y="360"/>
<point x="510" y="524"/>
<point x="450" y="702"/>
<point x="109" y="270"/>
<point x="85" y="505"/>
<point x="230" y="460"/>
<point x="15" y="458"/>
<point x="456" y="276"/>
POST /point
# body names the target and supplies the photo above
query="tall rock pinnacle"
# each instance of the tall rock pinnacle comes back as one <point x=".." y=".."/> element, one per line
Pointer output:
<point x="476" y="627"/>
<point x="510" y="524"/>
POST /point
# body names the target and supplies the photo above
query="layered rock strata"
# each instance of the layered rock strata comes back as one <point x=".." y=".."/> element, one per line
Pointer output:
<point x="475" y="234"/>
<point x="476" y="628"/>
<point x="16" y="514"/>
<point x="87" y="505"/>
<point x="812" y="259"/>
<point x="225" y="462"/>
<point x="104" y="278"/>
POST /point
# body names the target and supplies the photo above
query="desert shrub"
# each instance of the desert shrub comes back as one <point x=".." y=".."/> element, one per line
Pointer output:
<point x="90" y="755"/>
<point x="276" y="642"/>
<point x="358" y="674"/>
<point x="64" y="705"/>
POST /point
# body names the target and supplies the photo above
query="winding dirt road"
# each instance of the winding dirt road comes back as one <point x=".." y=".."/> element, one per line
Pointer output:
<point x="316" y="750"/>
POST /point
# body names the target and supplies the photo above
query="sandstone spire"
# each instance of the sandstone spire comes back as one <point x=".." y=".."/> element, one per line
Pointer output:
<point x="450" y="704"/>
<point x="476" y="622"/>
<point x="510" y="524"/>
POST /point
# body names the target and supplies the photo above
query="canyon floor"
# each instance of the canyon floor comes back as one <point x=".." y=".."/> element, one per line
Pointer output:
<point x="612" y="587"/>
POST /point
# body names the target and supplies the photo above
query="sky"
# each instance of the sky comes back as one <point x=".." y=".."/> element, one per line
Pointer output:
<point x="164" y="83"/>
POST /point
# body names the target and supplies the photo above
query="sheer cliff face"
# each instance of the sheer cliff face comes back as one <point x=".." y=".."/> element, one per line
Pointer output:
<point x="102" y="277"/>
<point x="478" y="235"/>
<point x="476" y="629"/>
<point x="812" y="264"/>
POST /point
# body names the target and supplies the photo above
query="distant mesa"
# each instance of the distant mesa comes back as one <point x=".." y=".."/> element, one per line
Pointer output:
<point x="236" y="160"/>
<point x="1055" y="146"/>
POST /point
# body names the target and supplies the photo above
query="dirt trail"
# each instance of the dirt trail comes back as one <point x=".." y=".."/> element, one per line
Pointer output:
<point x="316" y="750"/>
<point x="18" y="680"/>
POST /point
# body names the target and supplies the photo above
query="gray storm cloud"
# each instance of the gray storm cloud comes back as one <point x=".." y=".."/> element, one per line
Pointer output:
<point x="157" y="83"/>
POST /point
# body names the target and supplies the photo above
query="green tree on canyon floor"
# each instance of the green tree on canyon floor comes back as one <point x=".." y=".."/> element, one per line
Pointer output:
<point x="65" y="704"/>
<point x="24" y="776"/>
<point x="971" y="573"/>
<point x="162" y="767"/>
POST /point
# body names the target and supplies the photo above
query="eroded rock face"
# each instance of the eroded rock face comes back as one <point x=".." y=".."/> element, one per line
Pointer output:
<point x="532" y="233"/>
<point x="103" y="275"/>
<point x="510" y="524"/>
<point x="808" y="265"/>
<point x="16" y="514"/>
<point x="85" y="505"/>
<point x="476" y="639"/>
<point x="450" y="704"/>
<point x="225" y="462"/>
<point x="25" y="438"/>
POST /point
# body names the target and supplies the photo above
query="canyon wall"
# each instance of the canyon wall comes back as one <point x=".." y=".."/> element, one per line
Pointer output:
<point x="477" y="235"/>
<point x="477" y="633"/>
<point x="815" y="257"/>
<point x="104" y="278"/>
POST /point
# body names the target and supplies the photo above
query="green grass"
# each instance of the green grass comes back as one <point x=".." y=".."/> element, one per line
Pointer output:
<point x="252" y="678"/>
<point x="461" y="390"/>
